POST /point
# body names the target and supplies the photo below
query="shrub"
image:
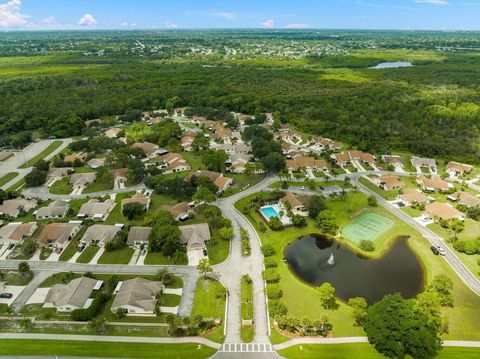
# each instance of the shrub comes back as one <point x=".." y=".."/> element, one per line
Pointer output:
<point x="270" y="262"/>
<point x="271" y="275"/>
<point x="89" y="313"/>
<point x="367" y="245"/>
<point x="275" y="224"/>
<point x="268" y="250"/>
<point x="277" y="308"/>
<point x="274" y="292"/>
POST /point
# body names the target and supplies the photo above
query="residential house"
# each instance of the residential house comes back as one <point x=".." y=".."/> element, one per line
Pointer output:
<point x="82" y="179"/>
<point x="465" y="199"/>
<point x="96" y="209"/>
<point x="100" y="234"/>
<point x="194" y="237"/>
<point x="388" y="182"/>
<point x="239" y="148"/>
<point x="13" y="207"/>
<point x="442" y="211"/>
<point x="393" y="160"/>
<point x="455" y="169"/>
<point x="71" y="296"/>
<point x="150" y="149"/>
<point x="96" y="162"/>
<point x="411" y="196"/>
<point x="137" y="296"/>
<point x="223" y="133"/>
<point x="419" y="162"/>
<point x="140" y="198"/>
<point x="187" y="140"/>
<point x="307" y="163"/>
<point x="433" y="184"/>
<point x="179" y="211"/>
<point x="58" y="234"/>
<point x="81" y="156"/>
<point x="237" y="163"/>
<point x="217" y="178"/>
<point x="113" y="132"/>
<point x="59" y="172"/>
<point x="16" y="232"/>
<point x="56" y="209"/>
<point x="173" y="163"/>
<point x="138" y="236"/>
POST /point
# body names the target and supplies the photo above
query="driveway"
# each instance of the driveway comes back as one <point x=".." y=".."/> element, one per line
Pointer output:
<point x="15" y="290"/>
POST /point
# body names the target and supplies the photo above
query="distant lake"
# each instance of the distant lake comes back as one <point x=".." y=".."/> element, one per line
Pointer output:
<point x="392" y="65"/>
<point x="352" y="275"/>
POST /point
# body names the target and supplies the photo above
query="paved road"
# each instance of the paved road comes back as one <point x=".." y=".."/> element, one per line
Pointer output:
<point x="42" y="192"/>
<point x="189" y="276"/>
<point x="29" y="152"/>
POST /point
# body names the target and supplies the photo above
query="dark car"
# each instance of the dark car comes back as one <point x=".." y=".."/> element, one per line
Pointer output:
<point x="435" y="250"/>
<point x="80" y="249"/>
<point x="6" y="295"/>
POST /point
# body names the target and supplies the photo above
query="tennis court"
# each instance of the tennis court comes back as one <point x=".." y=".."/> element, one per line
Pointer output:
<point x="368" y="226"/>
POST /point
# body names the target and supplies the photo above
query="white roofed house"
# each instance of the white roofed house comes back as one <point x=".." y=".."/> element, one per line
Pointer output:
<point x="137" y="296"/>
<point x="419" y="162"/>
<point x="138" y="236"/>
<point x="82" y="179"/>
<point x="96" y="209"/>
<point x="14" y="207"/>
<point x="56" y="209"/>
<point x="71" y="296"/>
<point x="100" y="234"/>
<point x="173" y="163"/>
<point x="194" y="237"/>
<point x="96" y="163"/>
<point x="113" y="132"/>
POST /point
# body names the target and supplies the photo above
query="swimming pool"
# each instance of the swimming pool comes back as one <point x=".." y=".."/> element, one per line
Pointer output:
<point x="269" y="212"/>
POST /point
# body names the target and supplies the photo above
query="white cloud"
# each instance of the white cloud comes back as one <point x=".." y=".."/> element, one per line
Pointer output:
<point x="87" y="20"/>
<point x="10" y="15"/>
<point x="225" y="15"/>
<point x="298" y="26"/>
<point x="432" y="2"/>
<point x="267" y="23"/>
<point x="171" y="25"/>
<point x="125" y="23"/>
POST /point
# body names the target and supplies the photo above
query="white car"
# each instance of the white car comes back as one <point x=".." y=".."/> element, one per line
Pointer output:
<point x="441" y="251"/>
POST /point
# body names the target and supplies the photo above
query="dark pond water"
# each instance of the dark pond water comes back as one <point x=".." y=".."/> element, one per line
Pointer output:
<point x="352" y="275"/>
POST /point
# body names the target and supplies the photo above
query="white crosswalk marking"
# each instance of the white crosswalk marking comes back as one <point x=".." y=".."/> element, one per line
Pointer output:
<point x="247" y="348"/>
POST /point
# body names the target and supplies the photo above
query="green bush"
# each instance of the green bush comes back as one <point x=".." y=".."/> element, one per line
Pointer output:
<point x="274" y="292"/>
<point x="268" y="250"/>
<point x="270" y="262"/>
<point x="84" y="315"/>
<point x="271" y="275"/>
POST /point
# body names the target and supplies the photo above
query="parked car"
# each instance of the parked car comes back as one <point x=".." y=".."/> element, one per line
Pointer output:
<point x="435" y="250"/>
<point x="303" y="188"/>
<point x="80" y="249"/>
<point x="6" y="295"/>
<point x="441" y="251"/>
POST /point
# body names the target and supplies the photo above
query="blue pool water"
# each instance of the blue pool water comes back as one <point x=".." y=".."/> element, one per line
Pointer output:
<point x="269" y="212"/>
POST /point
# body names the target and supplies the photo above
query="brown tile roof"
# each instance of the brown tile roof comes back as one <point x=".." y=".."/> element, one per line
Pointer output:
<point x="412" y="195"/>
<point x="442" y="210"/>
<point x="58" y="233"/>
<point x="435" y="183"/>
<point x="391" y="182"/>
<point x="466" y="199"/>
<point x="137" y="198"/>
<point x="459" y="167"/>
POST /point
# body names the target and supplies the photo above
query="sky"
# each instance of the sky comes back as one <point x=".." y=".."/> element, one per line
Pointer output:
<point x="278" y="14"/>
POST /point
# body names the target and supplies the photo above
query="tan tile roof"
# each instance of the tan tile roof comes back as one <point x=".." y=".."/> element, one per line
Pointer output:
<point x="435" y="183"/>
<point x="442" y="210"/>
<point x="412" y="195"/>
<point x="75" y="293"/>
<point x="391" y="181"/>
<point x="57" y="232"/>
<point x="292" y="199"/>
<point x="459" y="167"/>
<point x="139" y="293"/>
<point x="194" y="235"/>
<point x="138" y="234"/>
<point x="467" y="199"/>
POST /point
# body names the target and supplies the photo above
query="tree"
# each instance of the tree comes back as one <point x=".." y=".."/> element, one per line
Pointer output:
<point x="98" y="324"/>
<point x="121" y="312"/>
<point x="315" y="206"/>
<point x="275" y="223"/>
<point x="327" y="296"/>
<point x="200" y="143"/>
<point x="35" y="178"/>
<point x="164" y="238"/>
<point x="456" y="226"/>
<point x="136" y="171"/>
<point x="372" y="201"/>
<point x="359" y="313"/>
<point x="443" y="286"/>
<point x="42" y="165"/>
<point x="429" y="304"/>
<point x="104" y="175"/>
<point x="160" y="218"/>
<point x="215" y="160"/>
<point x="226" y="233"/>
<point x="396" y="330"/>
<point x="204" y="267"/>
<point x="23" y="267"/>
<point x="326" y="222"/>
<point x="132" y="210"/>
<point x="29" y="247"/>
<point x="204" y="195"/>
<point x="274" y="162"/>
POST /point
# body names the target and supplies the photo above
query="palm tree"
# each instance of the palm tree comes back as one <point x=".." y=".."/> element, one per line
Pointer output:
<point x="343" y="195"/>
<point x="456" y="226"/>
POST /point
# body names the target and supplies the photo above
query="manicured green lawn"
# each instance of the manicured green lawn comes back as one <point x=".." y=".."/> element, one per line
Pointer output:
<point x="363" y="351"/>
<point x="219" y="252"/>
<point x="302" y="299"/>
<point x="157" y="258"/>
<point x="209" y="302"/>
<point x="16" y="278"/>
<point x="241" y="182"/>
<point x="170" y="300"/>
<point x="16" y="186"/>
<point x="57" y="278"/>
<point x="52" y="147"/>
<point x="246" y="310"/>
<point x="118" y="256"/>
<point x="103" y="349"/>
<point x="7" y="178"/>
<point x="194" y="159"/>
<point x="388" y="195"/>
<point x="88" y="254"/>
<point x="412" y="212"/>
<point x="62" y="186"/>
<point x="98" y="187"/>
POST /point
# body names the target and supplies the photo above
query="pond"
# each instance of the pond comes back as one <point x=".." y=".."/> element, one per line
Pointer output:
<point x="352" y="275"/>
<point x="392" y="65"/>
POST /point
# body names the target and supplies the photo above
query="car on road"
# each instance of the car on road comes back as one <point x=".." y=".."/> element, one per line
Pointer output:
<point x="434" y="250"/>
<point x="440" y="250"/>
<point x="6" y="295"/>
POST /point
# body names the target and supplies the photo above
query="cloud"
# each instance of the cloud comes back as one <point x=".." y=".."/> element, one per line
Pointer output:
<point x="432" y="2"/>
<point x="10" y="15"/>
<point x="87" y="20"/>
<point x="267" y="23"/>
<point x="171" y="25"/>
<point x="225" y="15"/>
<point x="298" y="26"/>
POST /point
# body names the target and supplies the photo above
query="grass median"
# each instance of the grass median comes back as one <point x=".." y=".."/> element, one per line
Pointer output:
<point x="52" y="147"/>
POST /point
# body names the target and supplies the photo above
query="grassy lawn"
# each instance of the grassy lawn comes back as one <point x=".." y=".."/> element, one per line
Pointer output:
<point x="219" y="252"/>
<point x="118" y="256"/>
<point x="98" y="187"/>
<point x="16" y="186"/>
<point x="412" y="212"/>
<point x="209" y="302"/>
<point x="116" y="215"/>
<point x="194" y="160"/>
<point x="7" y="178"/>
<point x="241" y="182"/>
<point x="52" y="147"/>
<point x="157" y="258"/>
<point x="388" y="195"/>
<point x="169" y="300"/>
<point x="302" y="299"/>
<point x="14" y="347"/>
<point x="57" y="278"/>
<point x="16" y="278"/>
<point x="62" y="186"/>
<point x="362" y="351"/>
<point x="246" y="311"/>
<point x="45" y="253"/>
<point x="88" y="254"/>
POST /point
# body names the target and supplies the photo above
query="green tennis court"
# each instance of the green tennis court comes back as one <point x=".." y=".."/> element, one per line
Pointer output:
<point x="368" y="226"/>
